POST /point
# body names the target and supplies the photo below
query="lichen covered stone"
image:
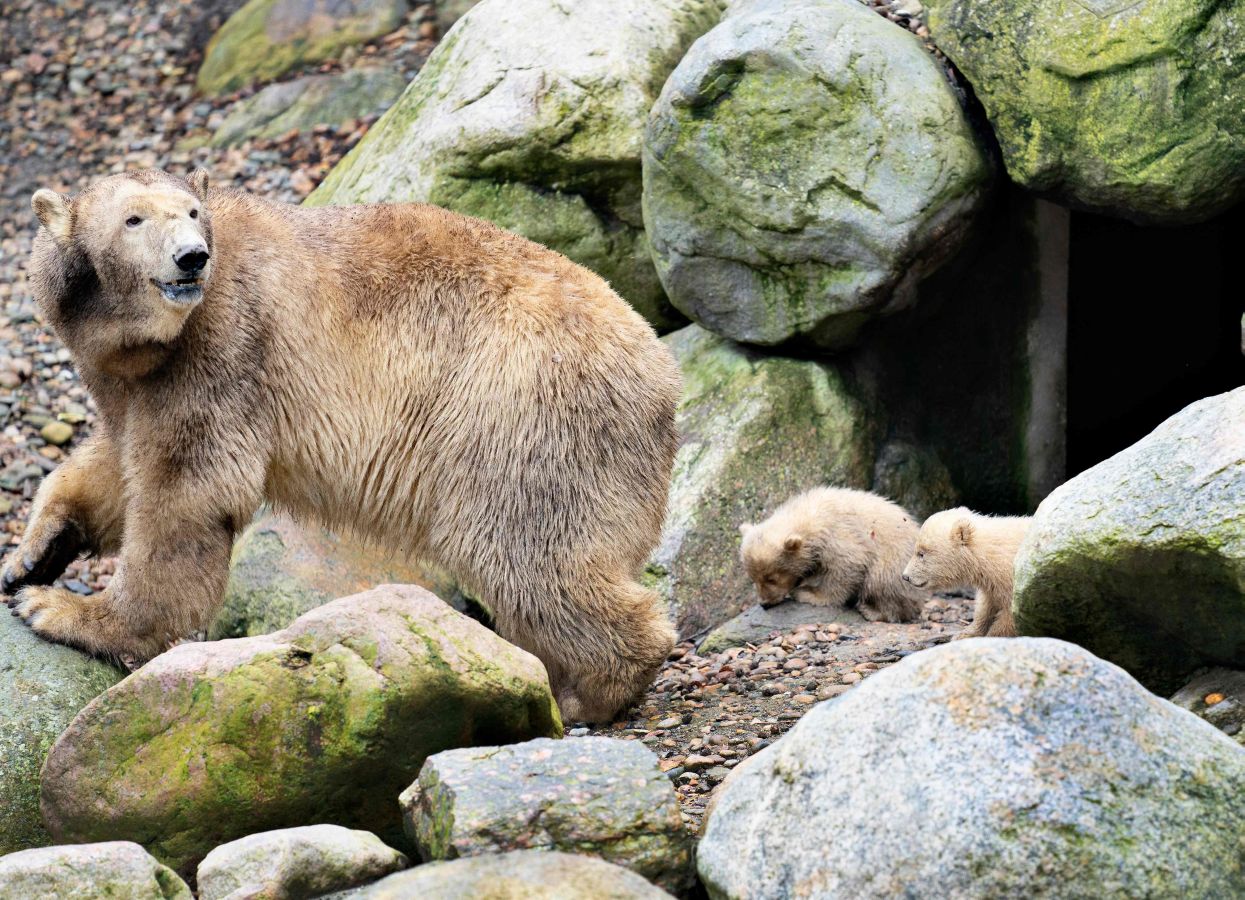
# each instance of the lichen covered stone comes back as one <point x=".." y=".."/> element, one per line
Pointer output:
<point x="806" y="166"/>
<point x="595" y="796"/>
<point x="1134" y="108"/>
<point x="988" y="768"/>
<point x="1141" y="559"/>
<point x="117" y="870"/>
<point x="325" y="721"/>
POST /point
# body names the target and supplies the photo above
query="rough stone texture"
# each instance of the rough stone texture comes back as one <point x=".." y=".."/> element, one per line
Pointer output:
<point x="595" y="796"/>
<point x="325" y="721"/>
<point x="915" y="478"/>
<point x="981" y="769"/>
<point x="282" y="569"/>
<point x="1218" y="696"/>
<point x="295" y="863"/>
<point x="805" y="167"/>
<point x="755" y="623"/>
<point x="756" y="429"/>
<point x="303" y="103"/>
<point x="44" y="686"/>
<point x="1129" y="107"/>
<point x="520" y="875"/>
<point x="267" y="38"/>
<point x="118" y="870"/>
<point x="1141" y="559"/>
<point x="530" y="114"/>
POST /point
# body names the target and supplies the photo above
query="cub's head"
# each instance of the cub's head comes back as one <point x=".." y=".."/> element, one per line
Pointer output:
<point x="776" y="560"/>
<point x="942" y="559"/>
<point x="119" y="268"/>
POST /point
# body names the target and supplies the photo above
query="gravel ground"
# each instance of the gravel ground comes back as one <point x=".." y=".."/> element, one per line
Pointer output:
<point x="90" y="88"/>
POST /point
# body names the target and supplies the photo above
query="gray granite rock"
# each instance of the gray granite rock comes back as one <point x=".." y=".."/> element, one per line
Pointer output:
<point x="519" y="875"/>
<point x="805" y="167"/>
<point x="44" y="687"/>
<point x="592" y="795"/>
<point x="116" y="870"/>
<point x="1141" y="558"/>
<point x="983" y="769"/>
<point x="295" y="864"/>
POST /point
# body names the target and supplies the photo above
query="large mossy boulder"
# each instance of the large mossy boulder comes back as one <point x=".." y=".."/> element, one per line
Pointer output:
<point x="1141" y="558"/>
<point x="326" y="721"/>
<point x="304" y="103"/>
<point x="267" y="38"/>
<point x="755" y="430"/>
<point x="595" y="796"/>
<point x="282" y="569"/>
<point x="45" y="685"/>
<point x="116" y="870"/>
<point x="983" y="769"/>
<point x="1134" y="109"/>
<point x="530" y="114"/>
<point x="805" y="167"/>
<point x="518" y="875"/>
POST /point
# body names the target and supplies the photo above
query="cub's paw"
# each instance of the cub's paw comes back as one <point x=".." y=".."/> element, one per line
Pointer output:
<point x="50" y="544"/>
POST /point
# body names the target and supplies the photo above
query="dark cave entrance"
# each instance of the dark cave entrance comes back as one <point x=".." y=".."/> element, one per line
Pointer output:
<point x="1154" y="323"/>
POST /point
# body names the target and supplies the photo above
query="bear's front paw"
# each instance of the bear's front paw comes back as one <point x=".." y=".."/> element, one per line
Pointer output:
<point x="54" y="613"/>
<point x="50" y="544"/>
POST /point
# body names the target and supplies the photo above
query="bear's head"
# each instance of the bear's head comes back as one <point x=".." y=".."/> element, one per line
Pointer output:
<point x="776" y="562"/>
<point x="942" y="559"/>
<point x="119" y="268"/>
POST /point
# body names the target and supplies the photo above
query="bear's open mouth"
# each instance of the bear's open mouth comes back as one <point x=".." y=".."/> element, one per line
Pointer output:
<point x="183" y="291"/>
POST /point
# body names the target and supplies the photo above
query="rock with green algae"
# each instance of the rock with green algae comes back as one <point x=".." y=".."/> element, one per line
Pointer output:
<point x="1134" y="109"/>
<point x="44" y="687"/>
<point x="530" y="114"/>
<point x="282" y="569"/>
<point x="303" y="103"/>
<point x="267" y="38"/>
<point x="519" y="875"/>
<point x="325" y="721"/>
<point x="756" y="429"/>
<point x="806" y="166"/>
<point x="1141" y="559"/>
<point x="118" y="870"/>
<point x="295" y="863"/>
<point x="1043" y="770"/>
<point x="595" y="796"/>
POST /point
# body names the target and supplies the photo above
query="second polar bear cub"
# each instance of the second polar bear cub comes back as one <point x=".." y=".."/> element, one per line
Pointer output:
<point x="829" y="544"/>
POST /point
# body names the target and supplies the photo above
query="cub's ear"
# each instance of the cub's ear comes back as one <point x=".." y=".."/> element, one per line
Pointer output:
<point x="793" y="543"/>
<point x="199" y="183"/>
<point x="962" y="532"/>
<point x="53" y="212"/>
<point x="745" y="527"/>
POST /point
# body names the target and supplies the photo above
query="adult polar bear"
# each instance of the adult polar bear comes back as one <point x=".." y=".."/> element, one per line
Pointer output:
<point x="424" y="379"/>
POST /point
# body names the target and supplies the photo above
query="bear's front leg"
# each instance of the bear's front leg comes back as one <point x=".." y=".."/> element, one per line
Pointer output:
<point x="79" y="507"/>
<point x="169" y="584"/>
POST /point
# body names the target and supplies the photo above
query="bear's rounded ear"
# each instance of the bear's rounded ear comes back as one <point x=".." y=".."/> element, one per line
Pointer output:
<point x="199" y="183"/>
<point x="793" y="543"/>
<point x="53" y="212"/>
<point x="962" y="531"/>
<point x="745" y="527"/>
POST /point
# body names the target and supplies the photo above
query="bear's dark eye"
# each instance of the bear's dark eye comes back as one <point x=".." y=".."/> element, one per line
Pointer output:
<point x="920" y="554"/>
<point x="133" y="221"/>
<point x="194" y="214"/>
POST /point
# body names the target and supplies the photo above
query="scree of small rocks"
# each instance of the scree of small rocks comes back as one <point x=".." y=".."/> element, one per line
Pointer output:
<point x="92" y="88"/>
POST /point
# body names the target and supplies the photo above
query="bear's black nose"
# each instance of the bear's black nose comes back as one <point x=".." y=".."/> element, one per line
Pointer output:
<point x="192" y="261"/>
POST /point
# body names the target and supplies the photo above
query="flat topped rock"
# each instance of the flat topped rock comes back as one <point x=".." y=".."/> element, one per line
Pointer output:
<point x="118" y="870"/>
<point x="325" y="721"/>
<point x="593" y="795"/>
<point x="756" y="623"/>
